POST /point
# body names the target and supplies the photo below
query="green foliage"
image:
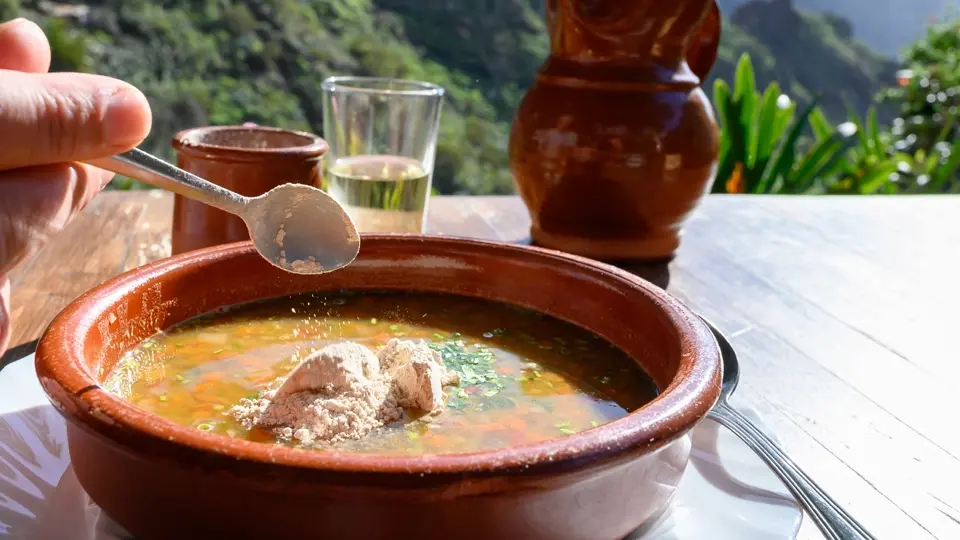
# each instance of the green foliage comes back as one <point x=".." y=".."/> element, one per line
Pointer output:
<point x="68" y="47"/>
<point x="920" y="153"/>
<point x="875" y="166"/>
<point x="232" y="61"/>
<point x="9" y="9"/>
<point x="761" y="154"/>
<point x="928" y="93"/>
<point x="807" y="53"/>
<point x="229" y="61"/>
<point x="499" y="44"/>
<point x="759" y="150"/>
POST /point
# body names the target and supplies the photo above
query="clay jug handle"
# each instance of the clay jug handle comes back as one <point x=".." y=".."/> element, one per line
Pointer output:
<point x="705" y="44"/>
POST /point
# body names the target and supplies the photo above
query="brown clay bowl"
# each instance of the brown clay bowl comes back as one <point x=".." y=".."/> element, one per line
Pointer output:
<point x="161" y="480"/>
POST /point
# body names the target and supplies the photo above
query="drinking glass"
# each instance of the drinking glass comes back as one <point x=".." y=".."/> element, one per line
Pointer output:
<point x="383" y="139"/>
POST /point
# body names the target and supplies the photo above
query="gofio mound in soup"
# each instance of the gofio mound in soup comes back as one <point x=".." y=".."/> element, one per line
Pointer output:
<point x="504" y="376"/>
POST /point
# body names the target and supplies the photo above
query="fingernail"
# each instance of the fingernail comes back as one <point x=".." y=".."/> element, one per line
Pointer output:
<point x="127" y="118"/>
<point x="18" y="22"/>
<point x="11" y="24"/>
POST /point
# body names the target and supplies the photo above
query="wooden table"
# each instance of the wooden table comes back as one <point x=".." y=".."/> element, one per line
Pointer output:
<point x="843" y="311"/>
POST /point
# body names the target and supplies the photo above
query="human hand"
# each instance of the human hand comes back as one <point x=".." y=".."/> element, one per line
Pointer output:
<point x="48" y="123"/>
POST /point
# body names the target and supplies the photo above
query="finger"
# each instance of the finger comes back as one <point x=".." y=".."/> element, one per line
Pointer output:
<point x="38" y="202"/>
<point x="62" y="117"/>
<point x="5" y="323"/>
<point x="23" y="47"/>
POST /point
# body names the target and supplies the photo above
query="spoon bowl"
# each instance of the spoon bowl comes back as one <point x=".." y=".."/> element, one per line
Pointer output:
<point x="301" y="229"/>
<point x="731" y="366"/>
<point x="296" y="227"/>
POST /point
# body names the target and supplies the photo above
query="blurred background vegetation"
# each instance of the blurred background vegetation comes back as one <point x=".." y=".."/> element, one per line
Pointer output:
<point x="767" y="147"/>
<point x="232" y="61"/>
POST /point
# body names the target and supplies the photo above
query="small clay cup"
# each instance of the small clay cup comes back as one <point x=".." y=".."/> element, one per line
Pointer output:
<point x="250" y="160"/>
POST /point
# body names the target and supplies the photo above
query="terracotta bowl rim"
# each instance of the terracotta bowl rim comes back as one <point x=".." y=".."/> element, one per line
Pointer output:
<point x="314" y="145"/>
<point x="676" y="410"/>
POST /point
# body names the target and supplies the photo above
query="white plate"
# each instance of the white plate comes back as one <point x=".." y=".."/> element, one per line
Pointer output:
<point x="727" y="493"/>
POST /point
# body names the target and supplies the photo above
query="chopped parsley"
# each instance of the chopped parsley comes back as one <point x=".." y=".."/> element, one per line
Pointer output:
<point x="475" y="365"/>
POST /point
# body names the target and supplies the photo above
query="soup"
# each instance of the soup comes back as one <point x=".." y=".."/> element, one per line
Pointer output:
<point x="524" y="377"/>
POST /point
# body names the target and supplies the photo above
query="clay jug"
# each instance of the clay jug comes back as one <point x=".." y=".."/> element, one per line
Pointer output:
<point x="615" y="143"/>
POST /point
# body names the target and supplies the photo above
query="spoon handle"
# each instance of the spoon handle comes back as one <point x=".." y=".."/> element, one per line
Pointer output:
<point x="831" y="519"/>
<point x="150" y="169"/>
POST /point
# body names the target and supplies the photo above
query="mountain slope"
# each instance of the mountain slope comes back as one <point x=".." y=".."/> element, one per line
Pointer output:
<point x="230" y="61"/>
<point x="886" y="26"/>
<point x="808" y="53"/>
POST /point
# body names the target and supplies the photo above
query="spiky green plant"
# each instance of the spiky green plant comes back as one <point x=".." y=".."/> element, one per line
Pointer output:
<point x="760" y="149"/>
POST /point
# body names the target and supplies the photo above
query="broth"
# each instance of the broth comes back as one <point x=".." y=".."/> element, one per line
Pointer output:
<point x="525" y="377"/>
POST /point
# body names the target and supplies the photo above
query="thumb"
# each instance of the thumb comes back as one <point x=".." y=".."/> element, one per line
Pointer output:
<point x="61" y="117"/>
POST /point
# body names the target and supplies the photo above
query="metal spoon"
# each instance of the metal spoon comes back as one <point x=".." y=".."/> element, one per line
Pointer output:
<point x="295" y="227"/>
<point x="833" y="521"/>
